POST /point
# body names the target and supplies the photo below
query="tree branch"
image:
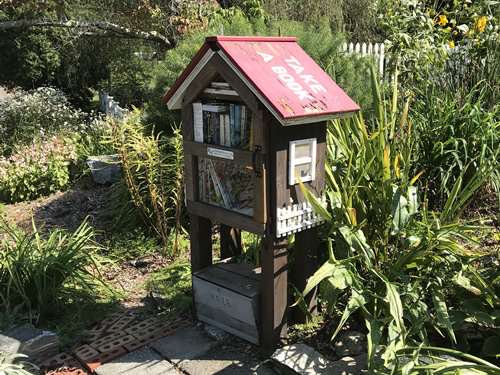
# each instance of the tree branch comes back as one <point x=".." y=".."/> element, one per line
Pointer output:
<point x="147" y="35"/>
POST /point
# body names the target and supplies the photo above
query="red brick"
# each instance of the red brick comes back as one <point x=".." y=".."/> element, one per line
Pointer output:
<point x="113" y="318"/>
<point x="56" y="361"/>
<point x="84" y="352"/>
<point x="115" y="343"/>
<point x="102" y="358"/>
<point x="108" y="338"/>
<point x="152" y="328"/>
<point x="70" y="369"/>
<point x="139" y="343"/>
<point x="172" y="328"/>
<point x="144" y="324"/>
<point x="120" y="323"/>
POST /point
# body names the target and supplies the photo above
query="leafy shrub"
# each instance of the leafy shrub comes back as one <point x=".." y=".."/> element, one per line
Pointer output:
<point x="44" y="272"/>
<point x="394" y="260"/>
<point x="36" y="170"/>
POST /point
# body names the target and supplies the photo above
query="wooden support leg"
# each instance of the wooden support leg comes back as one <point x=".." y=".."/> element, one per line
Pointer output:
<point x="201" y="242"/>
<point x="273" y="294"/>
<point x="230" y="241"/>
<point x="306" y="262"/>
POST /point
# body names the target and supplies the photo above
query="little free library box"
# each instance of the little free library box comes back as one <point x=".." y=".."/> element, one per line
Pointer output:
<point x="254" y="113"/>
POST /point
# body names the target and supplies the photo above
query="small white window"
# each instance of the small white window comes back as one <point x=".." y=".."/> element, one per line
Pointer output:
<point x="302" y="159"/>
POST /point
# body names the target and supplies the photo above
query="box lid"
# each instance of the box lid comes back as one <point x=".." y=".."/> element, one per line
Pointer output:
<point x="240" y="278"/>
<point x="280" y="73"/>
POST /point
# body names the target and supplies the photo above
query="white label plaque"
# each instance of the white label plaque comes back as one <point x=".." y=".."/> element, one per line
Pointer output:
<point x="220" y="153"/>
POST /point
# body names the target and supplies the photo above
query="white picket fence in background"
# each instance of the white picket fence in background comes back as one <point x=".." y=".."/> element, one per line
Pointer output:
<point x="376" y="50"/>
<point x="383" y="60"/>
<point x="110" y="107"/>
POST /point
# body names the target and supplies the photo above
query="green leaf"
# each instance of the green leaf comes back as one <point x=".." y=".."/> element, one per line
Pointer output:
<point x="356" y="240"/>
<point x="491" y="347"/>
<point x="413" y="200"/>
<point x="357" y="299"/>
<point x="400" y="216"/>
<point x="441" y="309"/>
<point x="395" y="305"/>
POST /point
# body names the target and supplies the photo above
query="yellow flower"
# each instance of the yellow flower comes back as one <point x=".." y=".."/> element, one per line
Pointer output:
<point x="443" y="21"/>
<point x="455" y="32"/>
<point x="451" y="43"/>
<point x="448" y="28"/>
<point x="465" y="5"/>
<point x="469" y="33"/>
<point x="481" y="24"/>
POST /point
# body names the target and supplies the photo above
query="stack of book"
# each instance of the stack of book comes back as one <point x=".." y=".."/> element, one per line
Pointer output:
<point x="223" y="124"/>
<point x="226" y="185"/>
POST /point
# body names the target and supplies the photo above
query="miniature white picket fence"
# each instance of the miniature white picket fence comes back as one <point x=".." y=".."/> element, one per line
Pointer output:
<point x="297" y="217"/>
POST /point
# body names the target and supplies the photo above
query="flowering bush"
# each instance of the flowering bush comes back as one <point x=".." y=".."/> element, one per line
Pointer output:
<point x="39" y="114"/>
<point x="423" y="32"/>
<point x="41" y="137"/>
<point x="37" y="169"/>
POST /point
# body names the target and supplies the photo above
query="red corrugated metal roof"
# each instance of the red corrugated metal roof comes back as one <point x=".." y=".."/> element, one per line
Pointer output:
<point x="286" y="79"/>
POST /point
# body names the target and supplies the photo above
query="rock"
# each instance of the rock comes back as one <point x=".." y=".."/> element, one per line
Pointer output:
<point x="105" y="169"/>
<point x="38" y="345"/>
<point x="303" y="360"/>
<point x="215" y="333"/>
<point x="299" y="359"/>
<point x="350" y="343"/>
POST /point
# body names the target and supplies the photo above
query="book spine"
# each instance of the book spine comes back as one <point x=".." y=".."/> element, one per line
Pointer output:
<point x="222" y="126"/>
<point x="198" y="122"/>
<point x="227" y="130"/>
<point x="237" y="126"/>
<point x="231" y="125"/>
<point x="243" y="143"/>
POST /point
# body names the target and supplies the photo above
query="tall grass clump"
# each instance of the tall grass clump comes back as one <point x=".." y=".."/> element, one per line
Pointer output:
<point x="153" y="170"/>
<point x="396" y="263"/>
<point x="40" y="273"/>
<point x="456" y="117"/>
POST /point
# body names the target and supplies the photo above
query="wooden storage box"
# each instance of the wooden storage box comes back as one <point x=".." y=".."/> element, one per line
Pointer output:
<point x="228" y="297"/>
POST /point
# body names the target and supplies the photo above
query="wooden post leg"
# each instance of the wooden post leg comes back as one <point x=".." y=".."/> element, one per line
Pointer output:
<point x="201" y="242"/>
<point x="230" y="241"/>
<point x="306" y="262"/>
<point x="273" y="294"/>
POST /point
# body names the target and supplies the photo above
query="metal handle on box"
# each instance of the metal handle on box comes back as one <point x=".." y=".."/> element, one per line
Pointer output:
<point x="256" y="149"/>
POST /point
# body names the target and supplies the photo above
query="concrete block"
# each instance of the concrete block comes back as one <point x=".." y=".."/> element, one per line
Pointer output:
<point x="194" y="344"/>
<point x="92" y="363"/>
<point x="225" y="362"/>
<point x="140" y="362"/>
<point x="108" y="338"/>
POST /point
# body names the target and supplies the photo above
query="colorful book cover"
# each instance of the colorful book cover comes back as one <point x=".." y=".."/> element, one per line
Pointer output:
<point x="237" y="125"/>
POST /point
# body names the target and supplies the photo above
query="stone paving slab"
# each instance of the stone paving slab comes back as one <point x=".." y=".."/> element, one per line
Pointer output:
<point x="141" y="362"/>
<point x="184" y="345"/>
<point x="225" y="362"/>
